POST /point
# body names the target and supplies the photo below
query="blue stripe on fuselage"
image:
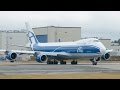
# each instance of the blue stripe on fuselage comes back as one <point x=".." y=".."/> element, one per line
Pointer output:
<point x="68" y="49"/>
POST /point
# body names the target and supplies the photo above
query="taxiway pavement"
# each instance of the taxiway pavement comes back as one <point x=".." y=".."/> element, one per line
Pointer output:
<point x="20" y="68"/>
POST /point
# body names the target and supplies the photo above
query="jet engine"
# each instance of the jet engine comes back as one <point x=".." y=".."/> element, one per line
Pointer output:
<point x="106" y="56"/>
<point x="11" y="55"/>
<point x="40" y="58"/>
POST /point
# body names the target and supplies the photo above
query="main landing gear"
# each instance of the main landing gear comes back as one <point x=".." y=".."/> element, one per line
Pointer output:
<point x="74" y="62"/>
<point x="55" y="62"/>
<point x="52" y="62"/>
<point x="62" y="62"/>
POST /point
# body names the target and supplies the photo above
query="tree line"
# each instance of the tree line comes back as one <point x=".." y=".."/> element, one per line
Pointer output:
<point x="116" y="41"/>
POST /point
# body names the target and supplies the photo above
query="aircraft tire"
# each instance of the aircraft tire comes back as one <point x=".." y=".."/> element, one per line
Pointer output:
<point x="55" y="62"/>
<point x="73" y="62"/>
<point x="76" y="62"/>
<point x="94" y="63"/>
<point x="11" y="61"/>
<point x="62" y="62"/>
<point x="50" y="62"/>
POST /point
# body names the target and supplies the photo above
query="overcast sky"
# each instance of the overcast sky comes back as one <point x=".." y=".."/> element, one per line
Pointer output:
<point x="102" y="24"/>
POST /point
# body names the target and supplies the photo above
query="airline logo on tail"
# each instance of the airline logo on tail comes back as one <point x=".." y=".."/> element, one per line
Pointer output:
<point x="31" y="36"/>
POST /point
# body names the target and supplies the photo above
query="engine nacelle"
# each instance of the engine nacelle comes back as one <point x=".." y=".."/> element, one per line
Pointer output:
<point x="41" y="58"/>
<point x="106" y="56"/>
<point x="11" y="55"/>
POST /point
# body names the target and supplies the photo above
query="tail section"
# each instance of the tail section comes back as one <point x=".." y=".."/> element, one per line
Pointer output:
<point x="31" y="36"/>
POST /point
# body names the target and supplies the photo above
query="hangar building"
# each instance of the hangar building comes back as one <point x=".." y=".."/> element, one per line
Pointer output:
<point x="57" y="34"/>
<point x="13" y="39"/>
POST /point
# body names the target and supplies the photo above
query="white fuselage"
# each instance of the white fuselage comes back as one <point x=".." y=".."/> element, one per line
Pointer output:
<point x="85" y="47"/>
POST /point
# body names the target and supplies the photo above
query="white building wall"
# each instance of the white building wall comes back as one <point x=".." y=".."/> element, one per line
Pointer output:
<point x="51" y="34"/>
<point x="13" y="40"/>
<point x="109" y="45"/>
<point x="40" y="31"/>
<point x="3" y="40"/>
<point x="106" y="42"/>
<point x="0" y="40"/>
<point x="17" y="38"/>
<point x="66" y="34"/>
<point x="56" y="34"/>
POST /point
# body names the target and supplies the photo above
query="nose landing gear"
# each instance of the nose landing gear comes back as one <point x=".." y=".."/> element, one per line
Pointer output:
<point x="94" y="61"/>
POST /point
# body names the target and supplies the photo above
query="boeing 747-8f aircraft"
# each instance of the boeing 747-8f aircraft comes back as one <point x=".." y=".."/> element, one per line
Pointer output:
<point x="51" y="53"/>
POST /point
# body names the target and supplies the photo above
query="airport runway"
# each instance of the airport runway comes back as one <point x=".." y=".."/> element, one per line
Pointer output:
<point x="15" y="68"/>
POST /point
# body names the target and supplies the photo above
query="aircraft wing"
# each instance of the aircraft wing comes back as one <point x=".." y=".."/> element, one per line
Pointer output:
<point x="41" y="52"/>
<point x="23" y="52"/>
<point x="18" y="51"/>
<point x="50" y="54"/>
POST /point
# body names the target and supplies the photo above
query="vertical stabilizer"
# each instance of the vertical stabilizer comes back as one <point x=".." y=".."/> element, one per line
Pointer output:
<point x="31" y="36"/>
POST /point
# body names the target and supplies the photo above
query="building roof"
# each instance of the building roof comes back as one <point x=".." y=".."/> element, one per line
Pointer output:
<point x="55" y="27"/>
<point x="104" y="39"/>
